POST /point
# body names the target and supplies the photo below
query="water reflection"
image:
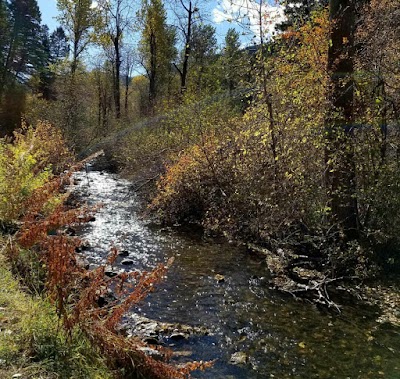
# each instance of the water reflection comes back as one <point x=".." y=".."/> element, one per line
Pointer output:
<point x="283" y="338"/>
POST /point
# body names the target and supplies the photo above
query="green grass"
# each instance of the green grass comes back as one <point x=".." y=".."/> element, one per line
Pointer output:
<point x="33" y="344"/>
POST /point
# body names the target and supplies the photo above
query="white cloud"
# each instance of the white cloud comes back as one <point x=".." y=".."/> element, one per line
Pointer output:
<point x="247" y="13"/>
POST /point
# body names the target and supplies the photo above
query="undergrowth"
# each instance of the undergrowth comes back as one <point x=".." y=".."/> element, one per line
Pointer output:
<point x="31" y="341"/>
<point x="44" y="257"/>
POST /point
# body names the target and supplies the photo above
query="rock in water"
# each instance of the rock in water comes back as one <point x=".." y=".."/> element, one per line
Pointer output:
<point x="127" y="262"/>
<point x="124" y="253"/>
<point x="219" y="278"/>
<point x="239" y="358"/>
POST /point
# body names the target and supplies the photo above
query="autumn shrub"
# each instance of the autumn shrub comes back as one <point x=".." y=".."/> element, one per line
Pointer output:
<point x="149" y="148"/>
<point x="263" y="176"/>
<point x="260" y="176"/>
<point x="27" y="163"/>
<point x="233" y="184"/>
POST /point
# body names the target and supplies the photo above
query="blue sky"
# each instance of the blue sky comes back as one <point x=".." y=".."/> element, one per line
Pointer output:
<point x="48" y="9"/>
<point x="217" y="11"/>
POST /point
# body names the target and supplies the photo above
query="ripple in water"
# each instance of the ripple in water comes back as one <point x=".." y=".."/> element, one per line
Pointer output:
<point x="283" y="338"/>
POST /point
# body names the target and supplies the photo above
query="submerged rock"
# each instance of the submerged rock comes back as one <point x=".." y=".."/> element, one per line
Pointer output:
<point x="152" y="352"/>
<point x="239" y="358"/>
<point x="219" y="278"/>
<point x="154" y="332"/>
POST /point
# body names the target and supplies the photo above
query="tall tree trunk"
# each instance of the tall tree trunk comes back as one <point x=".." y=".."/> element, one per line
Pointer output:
<point x="126" y="94"/>
<point x="75" y="53"/>
<point x="117" y="90"/>
<point x="188" y="36"/>
<point x="187" y="49"/>
<point x="341" y="186"/>
<point x="153" y="70"/>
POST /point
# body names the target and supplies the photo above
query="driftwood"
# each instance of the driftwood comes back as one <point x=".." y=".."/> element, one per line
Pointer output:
<point x="299" y="275"/>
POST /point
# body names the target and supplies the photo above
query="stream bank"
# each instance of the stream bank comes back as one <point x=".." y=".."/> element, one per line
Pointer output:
<point x="255" y="331"/>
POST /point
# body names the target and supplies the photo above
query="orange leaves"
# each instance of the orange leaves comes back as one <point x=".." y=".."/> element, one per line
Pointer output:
<point x="47" y="143"/>
<point x="143" y="286"/>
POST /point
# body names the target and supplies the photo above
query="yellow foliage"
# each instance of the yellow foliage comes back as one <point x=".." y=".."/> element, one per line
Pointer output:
<point x="27" y="164"/>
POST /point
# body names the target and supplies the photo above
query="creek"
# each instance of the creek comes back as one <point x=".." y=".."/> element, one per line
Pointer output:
<point x="280" y="336"/>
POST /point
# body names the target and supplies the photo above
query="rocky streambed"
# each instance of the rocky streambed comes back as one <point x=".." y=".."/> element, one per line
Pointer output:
<point x="216" y="301"/>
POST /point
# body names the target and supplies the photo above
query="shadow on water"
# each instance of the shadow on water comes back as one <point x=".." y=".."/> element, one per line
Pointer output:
<point x="282" y="337"/>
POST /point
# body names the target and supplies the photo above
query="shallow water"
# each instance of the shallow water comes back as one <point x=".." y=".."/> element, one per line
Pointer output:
<point x="282" y="337"/>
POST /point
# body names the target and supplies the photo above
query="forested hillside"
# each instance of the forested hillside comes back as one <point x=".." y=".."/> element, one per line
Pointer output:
<point x="282" y="135"/>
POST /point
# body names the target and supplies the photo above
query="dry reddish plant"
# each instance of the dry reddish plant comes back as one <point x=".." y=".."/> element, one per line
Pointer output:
<point x="76" y="291"/>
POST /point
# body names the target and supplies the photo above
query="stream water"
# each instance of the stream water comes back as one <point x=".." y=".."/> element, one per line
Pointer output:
<point x="282" y="337"/>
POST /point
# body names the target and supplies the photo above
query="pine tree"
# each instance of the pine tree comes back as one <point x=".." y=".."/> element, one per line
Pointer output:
<point x="58" y="45"/>
<point x="22" y="57"/>
<point x="4" y="37"/>
<point x="204" y="47"/>
<point x="25" y="50"/>
<point x="232" y="62"/>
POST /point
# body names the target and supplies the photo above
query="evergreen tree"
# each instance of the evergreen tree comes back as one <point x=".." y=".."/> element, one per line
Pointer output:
<point x="204" y="47"/>
<point x="58" y="45"/>
<point x="45" y="75"/>
<point x="25" y="53"/>
<point x="22" y="56"/>
<point x="232" y="60"/>
<point x="3" y="30"/>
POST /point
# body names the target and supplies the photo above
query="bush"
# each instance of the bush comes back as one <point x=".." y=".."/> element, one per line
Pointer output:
<point x="34" y="156"/>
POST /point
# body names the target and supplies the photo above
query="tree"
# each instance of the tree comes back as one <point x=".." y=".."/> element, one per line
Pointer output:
<point x="4" y="38"/>
<point x="78" y="18"/>
<point x="259" y="18"/>
<point x="129" y="59"/>
<point x="58" y="45"/>
<point x="231" y="60"/>
<point x="116" y="16"/>
<point x="23" y="48"/>
<point x="22" y="56"/>
<point x="103" y="82"/>
<point x="45" y="75"/>
<point x="203" y="46"/>
<point x="297" y="13"/>
<point x="156" y="46"/>
<point x="186" y="22"/>
<point x="339" y="154"/>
